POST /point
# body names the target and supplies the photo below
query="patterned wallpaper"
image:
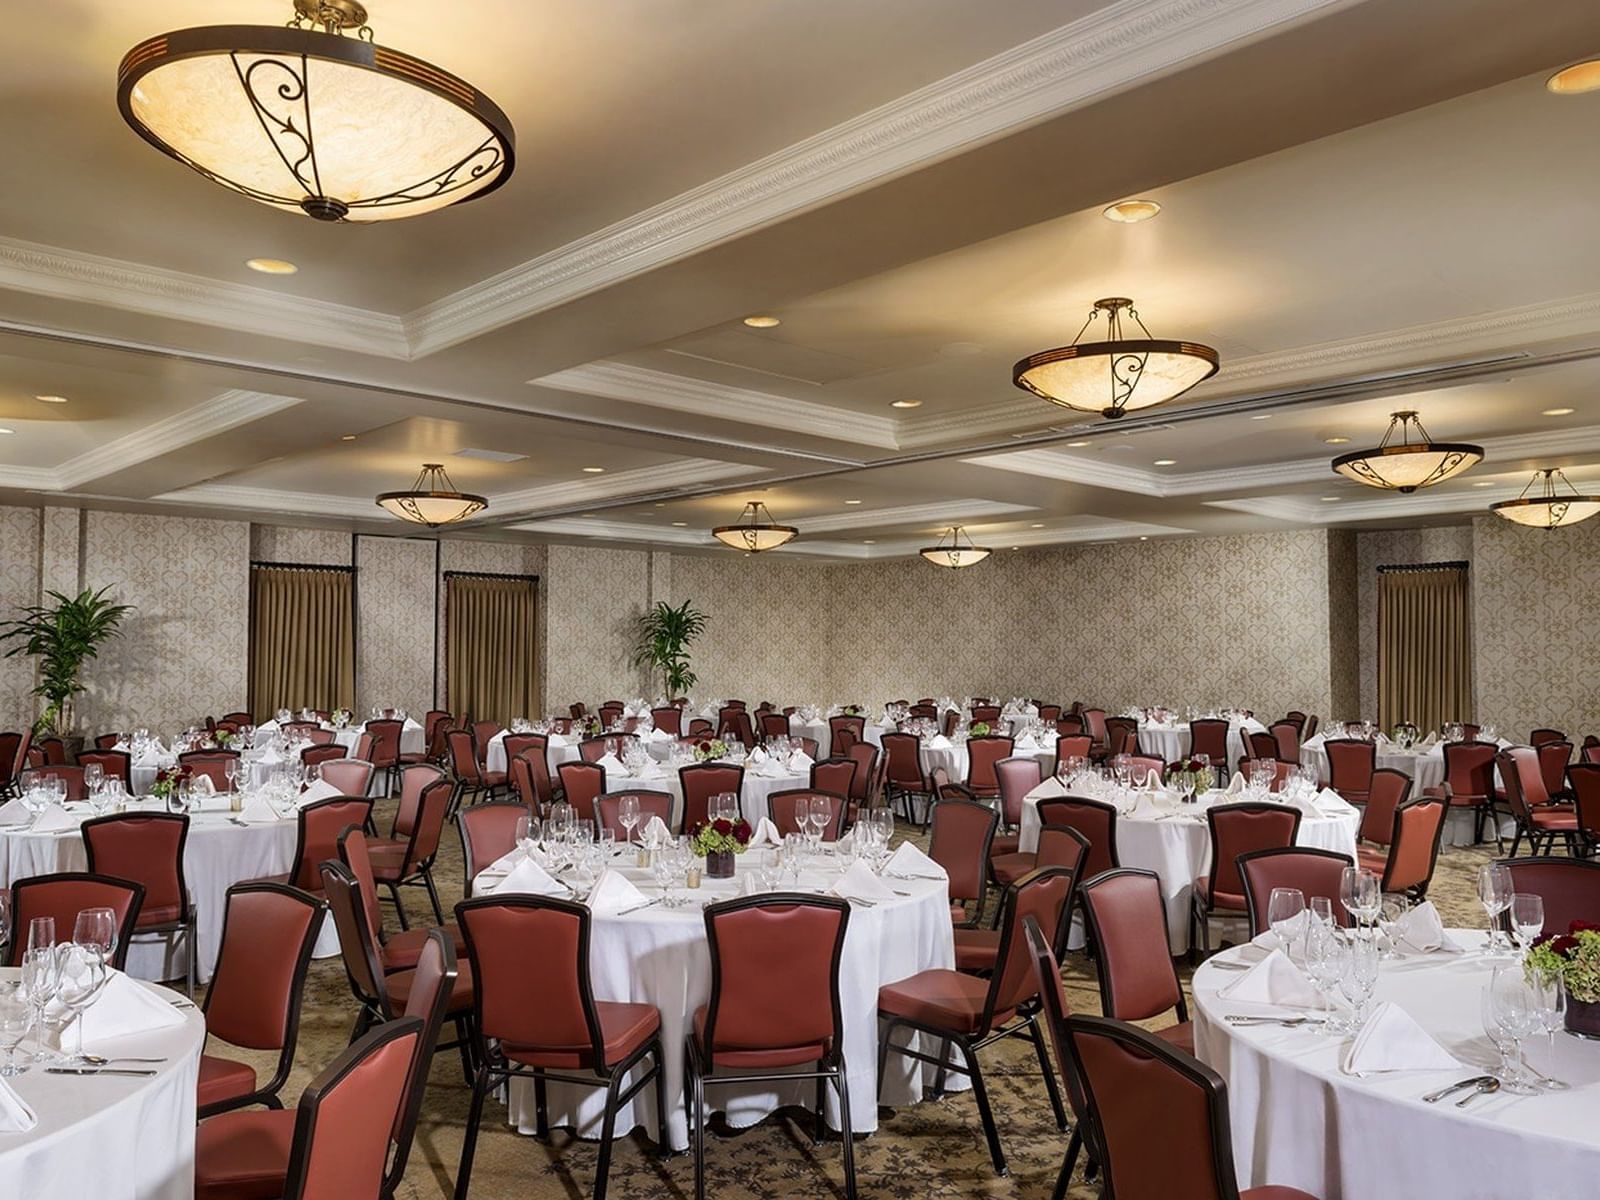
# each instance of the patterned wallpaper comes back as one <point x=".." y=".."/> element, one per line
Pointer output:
<point x="395" y="623"/>
<point x="281" y="544"/>
<point x="19" y="585"/>
<point x="183" y="651"/>
<point x="1536" y="600"/>
<point x="591" y="601"/>
<point x="1393" y="547"/>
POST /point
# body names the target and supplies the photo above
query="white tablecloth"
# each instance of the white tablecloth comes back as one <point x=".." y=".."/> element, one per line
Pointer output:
<point x="114" y="1138"/>
<point x="953" y="758"/>
<point x="1426" y="768"/>
<point x="412" y="736"/>
<point x="1178" y="849"/>
<point x="556" y="753"/>
<point x="1170" y="741"/>
<point x="659" y="956"/>
<point x="1299" y="1121"/>
<point x="818" y="729"/>
<point x="217" y="855"/>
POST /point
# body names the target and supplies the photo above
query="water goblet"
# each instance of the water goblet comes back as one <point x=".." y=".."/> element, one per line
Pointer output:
<point x="821" y="813"/>
<point x="81" y="975"/>
<point x="1323" y="966"/>
<point x="1284" y="909"/>
<point x="1551" y="991"/>
<point x="16" y="1019"/>
<point x="1527" y="918"/>
<point x="1510" y="1013"/>
<point x="628" y="815"/>
<point x="1494" y="893"/>
<point x="1358" y="975"/>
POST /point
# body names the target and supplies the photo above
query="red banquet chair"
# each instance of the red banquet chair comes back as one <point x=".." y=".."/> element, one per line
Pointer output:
<point x="113" y="764"/>
<point x="1126" y="1074"/>
<point x="409" y="863"/>
<point x="63" y="896"/>
<point x="1055" y="1011"/>
<point x="488" y="832"/>
<point x="535" y="1017"/>
<point x="1350" y="766"/>
<point x="774" y="1014"/>
<point x="1235" y="829"/>
<point x="582" y="783"/>
<point x="1387" y="790"/>
<point x="1128" y="925"/>
<point x="1016" y="777"/>
<point x="1314" y="872"/>
<point x="1537" y="818"/>
<point x="702" y="781"/>
<point x="396" y="951"/>
<point x="608" y="809"/>
<point x="1413" y="848"/>
<point x="1094" y="819"/>
<point x="1469" y="782"/>
<point x="983" y="753"/>
<point x="318" y="827"/>
<point x="148" y="849"/>
<point x="784" y="809"/>
<point x="963" y="832"/>
<point x="268" y="933"/>
<point x="972" y="1013"/>
<point x="836" y="775"/>
<point x="1569" y="887"/>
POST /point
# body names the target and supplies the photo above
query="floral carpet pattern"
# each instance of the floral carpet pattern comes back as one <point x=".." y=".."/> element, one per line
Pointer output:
<point x="930" y="1151"/>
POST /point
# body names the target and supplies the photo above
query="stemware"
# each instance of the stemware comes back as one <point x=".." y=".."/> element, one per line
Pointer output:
<point x="821" y="812"/>
<point x="81" y="975"/>
<point x="1510" y="1013"/>
<point x="1527" y="918"/>
<point x="1494" y="893"/>
<point x="1551" y="991"/>
<point x="1284" y="909"/>
<point x="1323" y="966"/>
<point x="93" y="774"/>
<point x="1360" y="894"/>
<point x="16" y="1018"/>
<point x="40" y="976"/>
<point x="1358" y="975"/>
<point x="628" y="815"/>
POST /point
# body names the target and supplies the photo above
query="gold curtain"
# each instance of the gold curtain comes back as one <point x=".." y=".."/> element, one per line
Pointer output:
<point x="302" y="639"/>
<point x="1424" y="647"/>
<point x="490" y="661"/>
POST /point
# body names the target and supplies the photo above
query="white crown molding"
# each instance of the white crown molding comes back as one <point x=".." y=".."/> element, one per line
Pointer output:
<point x="28" y="478"/>
<point x="685" y="393"/>
<point x="1301" y="510"/>
<point x="942" y="512"/>
<point x="651" y="481"/>
<point x="227" y="495"/>
<point x="1100" y="54"/>
<point x="136" y="287"/>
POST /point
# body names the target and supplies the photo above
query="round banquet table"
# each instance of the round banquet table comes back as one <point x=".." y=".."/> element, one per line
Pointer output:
<point x="113" y="1138"/>
<point x="1299" y="1121"/>
<point x="1426" y="768"/>
<point x="557" y="750"/>
<point x="818" y="729"/>
<point x="659" y="956"/>
<point x="218" y="854"/>
<point x="951" y="754"/>
<point x="1169" y="741"/>
<point x="1178" y="848"/>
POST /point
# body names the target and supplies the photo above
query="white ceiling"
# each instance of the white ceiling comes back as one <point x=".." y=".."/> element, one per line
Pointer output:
<point x="1359" y="212"/>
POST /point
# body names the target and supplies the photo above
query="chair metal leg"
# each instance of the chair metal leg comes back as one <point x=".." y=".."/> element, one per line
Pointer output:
<point x="541" y="1110"/>
<point x="841" y="1084"/>
<point x="817" y="1131"/>
<point x="697" y="1121"/>
<point x="433" y="894"/>
<point x="1036" y="1036"/>
<point x="884" y="1040"/>
<point x="942" y="1075"/>
<point x="1064" y="1180"/>
<point x="980" y="1093"/>
<point x="663" y="1133"/>
<point x="469" y="1144"/>
<point x="464" y="1036"/>
<point x="608" y="1129"/>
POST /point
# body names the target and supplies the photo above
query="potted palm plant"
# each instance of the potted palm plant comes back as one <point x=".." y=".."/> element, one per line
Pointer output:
<point x="665" y="634"/>
<point x="63" y="636"/>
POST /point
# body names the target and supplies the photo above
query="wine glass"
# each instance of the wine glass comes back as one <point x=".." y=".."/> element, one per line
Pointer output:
<point x="39" y="977"/>
<point x="883" y="819"/>
<point x="1510" y="1013"/>
<point x="16" y="1019"/>
<point x="81" y="974"/>
<point x="1551" y="990"/>
<point x="1323" y="967"/>
<point x="628" y="815"/>
<point x="1360" y="894"/>
<point x="230" y="772"/>
<point x="821" y="809"/>
<point x="93" y="774"/>
<point x="1494" y="893"/>
<point x="1358" y="975"/>
<point x="1284" y="907"/>
<point x="1527" y="918"/>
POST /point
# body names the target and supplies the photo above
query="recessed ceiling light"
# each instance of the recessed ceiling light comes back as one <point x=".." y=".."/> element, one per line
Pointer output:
<point x="852" y="502"/>
<point x="1131" y="212"/>
<point x="1557" y="412"/>
<point x="868" y="542"/>
<point x="762" y="321"/>
<point x="4" y="430"/>
<point x="1576" y="79"/>
<point x="660" y="504"/>
<point x="906" y="404"/>
<point x="1016" y="547"/>
<point x="586" y="514"/>
<point x="271" y="266"/>
<point x="1166" y="462"/>
<point x="680" y="524"/>
<point x="1336" y="441"/>
<point x="500" y="456"/>
<point x="1077" y="445"/>
<point x="347" y="437"/>
<point x="1484" y="483"/>
<point x="594" y="470"/>
<point x="1330" y="499"/>
<point x="1035" y="526"/>
<point x="1143" y="538"/>
<point x="1261" y="417"/>
<point x="51" y="399"/>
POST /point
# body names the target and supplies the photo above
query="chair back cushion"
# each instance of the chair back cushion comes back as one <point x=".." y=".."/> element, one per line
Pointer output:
<point x="1016" y="777"/>
<point x="1314" y="872"/>
<point x="488" y="831"/>
<point x="268" y="932"/>
<point x="1128" y="917"/>
<point x="1415" y="846"/>
<point x="1350" y="765"/>
<point x="63" y="895"/>
<point x="702" y="781"/>
<point x="962" y="833"/>
<point x="581" y="784"/>
<point x="1095" y="819"/>
<point x="1240" y="828"/>
<point x="148" y="849"/>
<point x="352" y="776"/>
<point x="321" y="824"/>
<point x="651" y="804"/>
<point x="1569" y="887"/>
<point x="1387" y="792"/>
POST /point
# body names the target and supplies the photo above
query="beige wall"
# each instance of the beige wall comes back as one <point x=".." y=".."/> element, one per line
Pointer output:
<point x="593" y="598"/>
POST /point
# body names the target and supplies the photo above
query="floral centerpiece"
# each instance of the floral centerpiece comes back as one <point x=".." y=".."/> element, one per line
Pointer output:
<point x="711" y="750"/>
<point x="1574" y="957"/>
<point x="852" y="710"/>
<point x="223" y="739"/>
<point x="1405" y="735"/>
<point x="168" y="780"/>
<point x="1190" y="776"/>
<point x="340" y="718"/>
<point x="978" y="729"/>
<point x="718" y="841"/>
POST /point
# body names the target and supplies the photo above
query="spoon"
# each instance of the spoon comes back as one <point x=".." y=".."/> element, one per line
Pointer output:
<point x="95" y="1060"/>
<point x="1435" y="1097"/>
<point x="1487" y="1086"/>
<point x="1287" y="1022"/>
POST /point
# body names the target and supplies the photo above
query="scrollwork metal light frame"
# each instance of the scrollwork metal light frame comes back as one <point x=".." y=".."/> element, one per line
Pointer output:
<point x="1430" y="462"/>
<point x="433" y="485"/>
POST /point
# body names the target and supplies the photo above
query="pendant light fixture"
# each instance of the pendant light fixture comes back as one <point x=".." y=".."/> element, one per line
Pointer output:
<point x="1548" y="509"/>
<point x="955" y="550"/>
<point x="1405" y="466"/>
<point x="1118" y="375"/>
<point x="755" y="530"/>
<point x="433" y="500"/>
<point x="306" y="119"/>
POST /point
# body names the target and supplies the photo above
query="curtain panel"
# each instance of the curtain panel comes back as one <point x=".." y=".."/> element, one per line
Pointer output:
<point x="490" y="653"/>
<point x="302" y="638"/>
<point x="1424" y="647"/>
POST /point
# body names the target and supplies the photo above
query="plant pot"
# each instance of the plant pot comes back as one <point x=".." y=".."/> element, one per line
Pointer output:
<point x="719" y="865"/>
<point x="1583" y="1020"/>
<point x="73" y="743"/>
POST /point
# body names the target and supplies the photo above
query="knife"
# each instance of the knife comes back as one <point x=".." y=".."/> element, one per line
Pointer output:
<point x="1435" y="1097"/>
<point x="95" y="1071"/>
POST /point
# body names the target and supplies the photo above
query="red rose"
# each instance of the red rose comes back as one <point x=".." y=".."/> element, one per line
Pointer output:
<point x="723" y="827"/>
<point x="741" y="832"/>
<point x="1566" y="945"/>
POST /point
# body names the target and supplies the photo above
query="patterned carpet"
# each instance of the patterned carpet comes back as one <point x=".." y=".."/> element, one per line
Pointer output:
<point x="930" y="1151"/>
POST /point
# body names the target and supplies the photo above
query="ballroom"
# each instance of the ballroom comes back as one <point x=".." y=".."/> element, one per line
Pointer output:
<point x="861" y="599"/>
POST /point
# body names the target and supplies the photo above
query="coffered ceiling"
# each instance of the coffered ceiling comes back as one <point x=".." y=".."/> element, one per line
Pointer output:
<point x="1366" y="205"/>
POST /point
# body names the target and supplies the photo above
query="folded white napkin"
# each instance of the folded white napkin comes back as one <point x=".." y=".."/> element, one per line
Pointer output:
<point x="657" y="735"/>
<point x="530" y="879"/>
<point x="55" y="819"/>
<point x="613" y="892"/>
<point x="211" y="803"/>
<point x="123" y="1008"/>
<point x="506" y="862"/>
<point x="655" y="832"/>
<point x="859" y="883"/>
<point x="771" y="769"/>
<point x="1026" y="742"/>
<point x="15" y="1115"/>
<point x="320" y="790"/>
<point x="151" y="756"/>
<point x="270" y="755"/>
<point x="201" y="785"/>
<point x="1236" y="784"/>
<point x="1392" y="1041"/>
<point x="13" y="812"/>
<point x="650" y="770"/>
<point x="411" y="723"/>
<point x="1273" y="981"/>
<point x="766" y="834"/>
<point x="800" y="763"/>
<point x="758" y="756"/>
<point x="609" y="763"/>
<point x="938" y="742"/>
<point x="256" y="811"/>
<point x="1430" y="739"/>
<point x="1421" y="931"/>
<point x="908" y="860"/>
<point x="267" y="727"/>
